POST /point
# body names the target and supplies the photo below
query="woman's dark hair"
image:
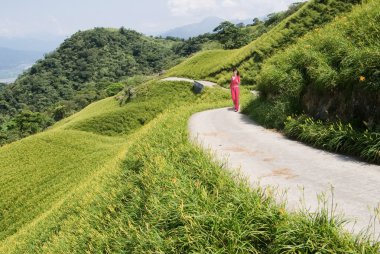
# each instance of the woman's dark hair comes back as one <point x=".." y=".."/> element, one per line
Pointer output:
<point x="237" y="72"/>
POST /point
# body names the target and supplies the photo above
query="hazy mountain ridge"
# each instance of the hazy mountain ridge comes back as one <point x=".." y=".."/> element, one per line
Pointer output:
<point x="13" y="62"/>
<point x="207" y="25"/>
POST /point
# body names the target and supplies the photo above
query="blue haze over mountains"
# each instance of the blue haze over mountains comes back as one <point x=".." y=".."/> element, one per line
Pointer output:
<point x="18" y="54"/>
<point x="207" y="25"/>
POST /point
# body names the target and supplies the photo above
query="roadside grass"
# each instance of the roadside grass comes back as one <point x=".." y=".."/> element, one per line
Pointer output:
<point x="335" y="137"/>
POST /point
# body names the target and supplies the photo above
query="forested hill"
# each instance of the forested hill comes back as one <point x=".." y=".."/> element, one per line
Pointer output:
<point x="76" y="74"/>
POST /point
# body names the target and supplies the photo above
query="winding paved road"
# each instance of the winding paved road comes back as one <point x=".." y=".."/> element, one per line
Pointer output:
<point x="268" y="158"/>
<point x="203" y="82"/>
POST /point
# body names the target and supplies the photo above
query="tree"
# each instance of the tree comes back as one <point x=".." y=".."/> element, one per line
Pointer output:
<point x="230" y="36"/>
<point x="240" y="25"/>
<point x="255" y="22"/>
<point x="28" y="122"/>
<point x="59" y="112"/>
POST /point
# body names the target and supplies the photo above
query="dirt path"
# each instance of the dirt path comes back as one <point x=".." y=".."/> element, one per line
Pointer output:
<point x="269" y="158"/>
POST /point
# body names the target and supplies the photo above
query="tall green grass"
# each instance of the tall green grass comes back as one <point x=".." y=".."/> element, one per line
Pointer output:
<point x="37" y="171"/>
<point x="336" y="137"/>
<point x="157" y="192"/>
<point x="333" y="57"/>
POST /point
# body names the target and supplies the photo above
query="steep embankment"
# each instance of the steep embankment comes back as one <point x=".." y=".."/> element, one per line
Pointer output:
<point x="328" y="77"/>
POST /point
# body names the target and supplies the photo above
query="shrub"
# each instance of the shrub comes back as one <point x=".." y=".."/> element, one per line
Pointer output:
<point x="114" y="88"/>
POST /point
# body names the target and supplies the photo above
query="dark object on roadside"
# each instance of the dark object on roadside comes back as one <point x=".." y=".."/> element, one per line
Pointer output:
<point x="198" y="87"/>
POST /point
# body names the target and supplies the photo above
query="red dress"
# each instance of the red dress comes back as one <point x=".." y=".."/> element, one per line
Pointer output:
<point x="234" y="85"/>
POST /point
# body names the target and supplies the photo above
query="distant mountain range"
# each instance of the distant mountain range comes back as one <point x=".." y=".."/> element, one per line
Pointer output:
<point x="205" y="26"/>
<point x="45" y="43"/>
<point x="11" y="57"/>
<point x="18" y="54"/>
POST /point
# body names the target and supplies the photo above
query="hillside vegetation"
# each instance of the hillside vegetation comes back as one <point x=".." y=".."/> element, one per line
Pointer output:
<point x="217" y="64"/>
<point x="87" y="67"/>
<point x="331" y="75"/>
<point x="148" y="190"/>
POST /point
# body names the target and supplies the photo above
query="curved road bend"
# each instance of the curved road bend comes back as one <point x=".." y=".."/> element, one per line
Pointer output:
<point x="269" y="158"/>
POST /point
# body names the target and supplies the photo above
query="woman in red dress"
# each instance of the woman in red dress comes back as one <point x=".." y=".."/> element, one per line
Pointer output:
<point x="234" y="85"/>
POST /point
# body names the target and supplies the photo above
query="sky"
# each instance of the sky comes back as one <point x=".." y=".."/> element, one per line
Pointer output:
<point x="31" y="18"/>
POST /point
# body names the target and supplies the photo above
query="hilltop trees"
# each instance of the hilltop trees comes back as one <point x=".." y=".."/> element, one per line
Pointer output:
<point x="230" y="36"/>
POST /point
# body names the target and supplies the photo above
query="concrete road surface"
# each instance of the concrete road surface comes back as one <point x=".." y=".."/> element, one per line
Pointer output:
<point x="268" y="157"/>
<point x="203" y="82"/>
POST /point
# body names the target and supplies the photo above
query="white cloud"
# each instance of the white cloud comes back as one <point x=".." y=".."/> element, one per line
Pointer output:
<point x="19" y="27"/>
<point x="58" y="27"/>
<point x="229" y="3"/>
<point x="241" y="14"/>
<point x="9" y="28"/>
<point x="188" y="7"/>
<point x="228" y="9"/>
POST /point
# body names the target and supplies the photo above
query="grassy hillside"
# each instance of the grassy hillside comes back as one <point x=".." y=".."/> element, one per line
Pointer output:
<point x="227" y="35"/>
<point x="332" y="76"/>
<point x="57" y="161"/>
<point x="216" y="65"/>
<point x="146" y="191"/>
<point x="82" y="70"/>
<point x="38" y="171"/>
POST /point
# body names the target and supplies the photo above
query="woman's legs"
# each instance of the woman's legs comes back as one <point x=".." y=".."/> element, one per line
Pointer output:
<point x="233" y="95"/>
<point x="235" y="92"/>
